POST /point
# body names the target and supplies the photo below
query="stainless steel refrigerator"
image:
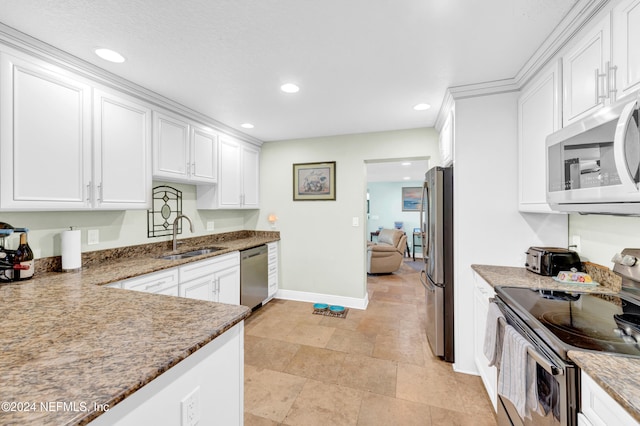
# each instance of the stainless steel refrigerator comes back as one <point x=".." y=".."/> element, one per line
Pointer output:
<point x="436" y="225"/>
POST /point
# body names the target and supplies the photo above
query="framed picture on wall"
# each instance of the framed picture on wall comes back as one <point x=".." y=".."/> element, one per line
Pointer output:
<point x="314" y="181"/>
<point x="411" y="197"/>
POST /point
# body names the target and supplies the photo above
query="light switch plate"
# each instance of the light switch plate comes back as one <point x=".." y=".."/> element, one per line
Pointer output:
<point x="355" y="221"/>
<point x="210" y="225"/>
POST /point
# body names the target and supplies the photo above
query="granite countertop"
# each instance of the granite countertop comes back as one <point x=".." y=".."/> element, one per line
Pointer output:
<point x="67" y="340"/>
<point x="618" y="375"/>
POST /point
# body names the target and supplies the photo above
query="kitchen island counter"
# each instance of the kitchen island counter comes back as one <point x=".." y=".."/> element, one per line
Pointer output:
<point x="72" y="348"/>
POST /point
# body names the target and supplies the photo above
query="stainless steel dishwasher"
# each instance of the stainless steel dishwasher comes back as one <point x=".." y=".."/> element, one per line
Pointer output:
<point x="254" y="275"/>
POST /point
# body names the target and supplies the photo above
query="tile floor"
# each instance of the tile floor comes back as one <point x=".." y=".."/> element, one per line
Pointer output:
<point x="372" y="368"/>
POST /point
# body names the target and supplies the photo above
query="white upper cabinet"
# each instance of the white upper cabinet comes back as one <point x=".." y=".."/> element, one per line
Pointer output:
<point x="626" y="43"/>
<point x="239" y="178"/>
<point x="538" y="116"/>
<point x="122" y="149"/>
<point x="588" y="74"/>
<point x="183" y="151"/>
<point x="45" y="137"/>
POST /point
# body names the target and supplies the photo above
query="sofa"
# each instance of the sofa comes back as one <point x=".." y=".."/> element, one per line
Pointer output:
<point x="386" y="255"/>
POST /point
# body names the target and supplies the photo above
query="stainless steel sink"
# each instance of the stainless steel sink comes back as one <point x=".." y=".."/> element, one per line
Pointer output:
<point x="188" y="254"/>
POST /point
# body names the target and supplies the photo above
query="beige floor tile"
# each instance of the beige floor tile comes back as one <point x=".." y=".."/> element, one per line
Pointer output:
<point x="317" y="363"/>
<point x="430" y="386"/>
<point x="268" y="353"/>
<point x="270" y="394"/>
<point x="369" y="374"/>
<point x="324" y="404"/>
<point x="473" y="394"/>
<point x="379" y="410"/>
<point x="444" y="417"/>
<point x="374" y="367"/>
<point x="271" y="328"/>
<point x="352" y="342"/>
<point x="310" y="335"/>
<point x="251" y="420"/>
<point x="400" y="345"/>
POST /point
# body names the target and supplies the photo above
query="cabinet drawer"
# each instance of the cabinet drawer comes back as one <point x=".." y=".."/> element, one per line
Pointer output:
<point x="272" y="249"/>
<point x="157" y="282"/>
<point x="208" y="266"/>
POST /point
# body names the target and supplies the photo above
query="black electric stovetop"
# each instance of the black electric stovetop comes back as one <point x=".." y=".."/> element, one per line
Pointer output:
<point x="570" y="320"/>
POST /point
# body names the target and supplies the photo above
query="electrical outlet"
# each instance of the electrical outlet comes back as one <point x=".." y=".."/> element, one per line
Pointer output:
<point x="210" y="225"/>
<point x="93" y="236"/>
<point x="190" y="407"/>
<point x="355" y="221"/>
<point x="575" y="243"/>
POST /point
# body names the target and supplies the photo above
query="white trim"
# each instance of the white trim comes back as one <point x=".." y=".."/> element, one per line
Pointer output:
<point x="304" y="296"/>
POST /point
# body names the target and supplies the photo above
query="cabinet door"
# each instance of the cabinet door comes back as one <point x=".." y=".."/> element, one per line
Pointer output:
<point x="230" y="184"/>
<point x="122" y="152"/>
<point x="250" y="177"/>
<point x="170" y="147"/>
<point x="204" y="156"/>
<point x="581" y="65"/>
<point x="626" y="55"/>
<point x="538" y="116"/>
<point x="202" y="288"/>
<point x="45" y="137"/>
<point x="228" y="281"/>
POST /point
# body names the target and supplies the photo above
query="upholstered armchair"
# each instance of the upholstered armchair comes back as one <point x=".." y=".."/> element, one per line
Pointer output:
<point x="386" y="255"/>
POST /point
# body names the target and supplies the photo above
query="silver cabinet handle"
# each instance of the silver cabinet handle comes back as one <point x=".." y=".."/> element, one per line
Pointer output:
<point x="156" y="284"/>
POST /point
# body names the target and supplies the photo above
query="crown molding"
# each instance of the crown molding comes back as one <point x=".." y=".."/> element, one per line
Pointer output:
<point x="24" y="43"/>
<point x="580" y="15"/>
<point x="582" y="12"/>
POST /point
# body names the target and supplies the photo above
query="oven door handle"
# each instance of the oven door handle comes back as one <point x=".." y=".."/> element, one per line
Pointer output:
<point x="543" y="362"/>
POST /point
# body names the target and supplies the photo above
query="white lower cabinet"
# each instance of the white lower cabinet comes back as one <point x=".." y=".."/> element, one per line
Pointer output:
<point x="482" y="293"/>
<point x="163" y="282"/>
<point x="216" y="279"/>
<point x="272" y="266"/>
<point x="213" y="375"/>
<point x="598" y="408"/>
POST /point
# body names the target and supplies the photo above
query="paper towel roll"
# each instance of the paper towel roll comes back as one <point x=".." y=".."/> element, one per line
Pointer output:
<point x="71" y="253"/>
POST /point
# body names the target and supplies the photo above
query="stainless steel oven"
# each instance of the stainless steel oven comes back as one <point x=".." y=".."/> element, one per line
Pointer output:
<point x="556" y="381"/>
<point x="556" y="322"/>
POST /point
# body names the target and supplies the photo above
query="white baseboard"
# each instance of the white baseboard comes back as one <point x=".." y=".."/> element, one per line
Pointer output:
<point x="303" y="296"/>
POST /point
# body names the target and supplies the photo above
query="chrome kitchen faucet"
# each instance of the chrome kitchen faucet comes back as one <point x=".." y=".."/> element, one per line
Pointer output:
<point x="175" y="229"/>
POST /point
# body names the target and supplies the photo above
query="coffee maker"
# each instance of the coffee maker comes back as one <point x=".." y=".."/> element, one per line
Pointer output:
<point x="8" y="263"/>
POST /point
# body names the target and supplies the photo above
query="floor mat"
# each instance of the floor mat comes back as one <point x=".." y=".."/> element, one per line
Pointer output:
<point x="328" y="313"/>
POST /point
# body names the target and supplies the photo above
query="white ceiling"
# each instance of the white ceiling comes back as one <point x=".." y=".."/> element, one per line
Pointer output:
<point x="361" y="64"/>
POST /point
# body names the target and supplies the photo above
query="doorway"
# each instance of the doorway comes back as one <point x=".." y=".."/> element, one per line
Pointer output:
<point x="394" y="187"/>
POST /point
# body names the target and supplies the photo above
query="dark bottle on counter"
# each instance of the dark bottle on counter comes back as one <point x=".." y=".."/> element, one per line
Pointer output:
<point x="23" y="263"/>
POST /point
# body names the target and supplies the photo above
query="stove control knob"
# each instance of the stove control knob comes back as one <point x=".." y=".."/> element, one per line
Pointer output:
<point x="618" y="332"/>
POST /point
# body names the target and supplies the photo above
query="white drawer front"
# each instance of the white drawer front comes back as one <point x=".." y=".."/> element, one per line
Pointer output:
<point x="208" y="266"/>
<point x="153" y="283"/>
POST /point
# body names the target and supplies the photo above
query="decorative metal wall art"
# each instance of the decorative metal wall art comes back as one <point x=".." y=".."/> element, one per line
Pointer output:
<point x="167" y="205"/>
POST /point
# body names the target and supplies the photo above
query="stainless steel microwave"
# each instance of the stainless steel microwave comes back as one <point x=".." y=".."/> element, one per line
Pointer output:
<point x="593" y="166"/>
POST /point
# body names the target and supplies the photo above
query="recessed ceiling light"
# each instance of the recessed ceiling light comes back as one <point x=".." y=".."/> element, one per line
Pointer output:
<point x="110" y="55"/>
<point x="407" y="178"/>
<point x="406" y="163"/>
<point x="247" y="125"/>
<point x="421" y="107"/>
<point x="289" y="88"/>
